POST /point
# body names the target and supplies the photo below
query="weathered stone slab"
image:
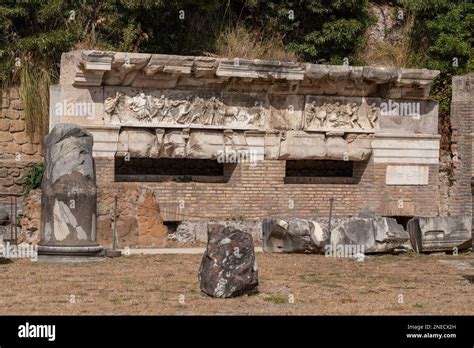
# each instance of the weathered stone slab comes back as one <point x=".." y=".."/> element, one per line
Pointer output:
<point x="125" y="68"/>
<point x="272" y="145"/>
<point x="331" y="145"/>
<point x="388" y="234"/>
<point x="256" y="144"/>
<point x="259" y="69"/>
<point x="372" y="234"/>
<point x="196" y="231"/>
<point x="69" y="104"/>
<point x="359" y="146"/>
<point x="174" y="144"/>
<point x="92" y="67"/>
<point x="336" y="148"/>
<point x="407" y="175"/>
<point x="442" y="233"/>
<point x="354" y="232"/>
<point x="286" y="112"/>
<point x="189" y="143"/>
<point x="106" y="140"/>
<point x="316" y="71"/>
<point x="139" y="143"/>
<point x="235" y="142"/>
<point x="273" y="234"/>
<point x="205" y="144"/>
<point x="228" y="267"/>
<point x="339" y="72"/>
<point x="380" y="74"/>
<point x="300" y="145"/>
<point x="294" y="236"/>
<point x="205" y="66"/>
<point x="409" y="116"/>
<point x="406" y="148"/>
<point x="172" y="64"/>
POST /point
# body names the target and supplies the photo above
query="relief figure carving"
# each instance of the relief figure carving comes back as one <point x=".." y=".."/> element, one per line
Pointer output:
<point x="342" y="116"/>
<point x="184" y="111"/>
<point x="111" y="104"/>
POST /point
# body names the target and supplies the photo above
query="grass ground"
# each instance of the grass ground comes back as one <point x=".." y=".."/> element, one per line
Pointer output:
<point x="289" y="284"/>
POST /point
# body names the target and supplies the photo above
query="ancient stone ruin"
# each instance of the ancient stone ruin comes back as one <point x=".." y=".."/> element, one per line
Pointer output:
<point x="440" y="233"/>
<point x="228" y="267"/>
<point x="69" y="197"/>
<point x="219" y="140"/>
<point x="305" y="236"/>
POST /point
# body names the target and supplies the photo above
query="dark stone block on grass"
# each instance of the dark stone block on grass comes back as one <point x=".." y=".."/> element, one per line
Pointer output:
<point x="228" y="267"/>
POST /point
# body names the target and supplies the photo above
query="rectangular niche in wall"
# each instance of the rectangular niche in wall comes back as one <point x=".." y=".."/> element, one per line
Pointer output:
<point x="166" y="169"/>
<point x="319" y="172"/>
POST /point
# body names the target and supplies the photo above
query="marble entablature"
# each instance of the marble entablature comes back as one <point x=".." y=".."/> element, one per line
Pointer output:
<point x="152" y="105"/>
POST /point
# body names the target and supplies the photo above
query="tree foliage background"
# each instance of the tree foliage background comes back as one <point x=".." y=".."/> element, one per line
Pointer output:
<point x="34" y="34"/>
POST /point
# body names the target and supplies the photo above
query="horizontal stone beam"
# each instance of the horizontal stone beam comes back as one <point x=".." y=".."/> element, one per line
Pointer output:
<point x="406" y="149"/>
<point x="95" y="68"/>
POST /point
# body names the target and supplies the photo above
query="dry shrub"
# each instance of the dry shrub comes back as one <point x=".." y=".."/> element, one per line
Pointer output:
<point x="34" y="94"/>
<point x="390" y="53"/>
<point x="239" y="42"/>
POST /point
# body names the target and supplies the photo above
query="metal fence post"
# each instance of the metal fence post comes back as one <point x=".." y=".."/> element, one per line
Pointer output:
<point x="11" y="219"/>
<point x="114" y="237"/>
<point x="331" y="200"/>
<point x="15" y="221"/>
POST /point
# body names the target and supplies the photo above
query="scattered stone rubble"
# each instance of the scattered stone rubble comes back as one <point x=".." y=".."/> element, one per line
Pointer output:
<point x="372" y="234"/>
<point x="196" y="231"/>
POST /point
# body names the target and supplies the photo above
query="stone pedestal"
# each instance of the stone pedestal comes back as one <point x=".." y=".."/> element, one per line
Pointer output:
<point x="69" y="198"/>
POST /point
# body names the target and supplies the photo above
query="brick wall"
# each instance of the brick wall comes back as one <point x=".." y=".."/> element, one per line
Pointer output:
<point x="105" y="169"/>
<point x="17" y="150"/>
<point x="258" y="192"/>
<point x="459" y="198"/>
<point x="406" y="200"/>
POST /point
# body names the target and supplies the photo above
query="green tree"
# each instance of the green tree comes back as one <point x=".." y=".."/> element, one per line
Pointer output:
<point x="444" y="34"/>
<point x="316" y="30"/>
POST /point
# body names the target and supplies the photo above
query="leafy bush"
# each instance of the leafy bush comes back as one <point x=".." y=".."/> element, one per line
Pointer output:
<point x="36" y="33"/>
<point x="33" y="179"/>
<point x="316" y="30"/>
<point x="443" y="33"/>
<point x="184" y="178"/>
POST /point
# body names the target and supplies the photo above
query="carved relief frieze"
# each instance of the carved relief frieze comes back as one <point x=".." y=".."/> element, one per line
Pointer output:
<point x="184" y="109"/>
<point x="341" y="113"/>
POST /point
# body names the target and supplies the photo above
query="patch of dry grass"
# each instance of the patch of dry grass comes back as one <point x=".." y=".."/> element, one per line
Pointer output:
<point x="34" y="94"/>
<point x="239" y="42"/>
<point x="388" y="53"/>
<point x="289" y="284"/>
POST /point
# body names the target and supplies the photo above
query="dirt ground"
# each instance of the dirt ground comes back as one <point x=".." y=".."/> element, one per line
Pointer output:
<point x="289" y="284"/>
